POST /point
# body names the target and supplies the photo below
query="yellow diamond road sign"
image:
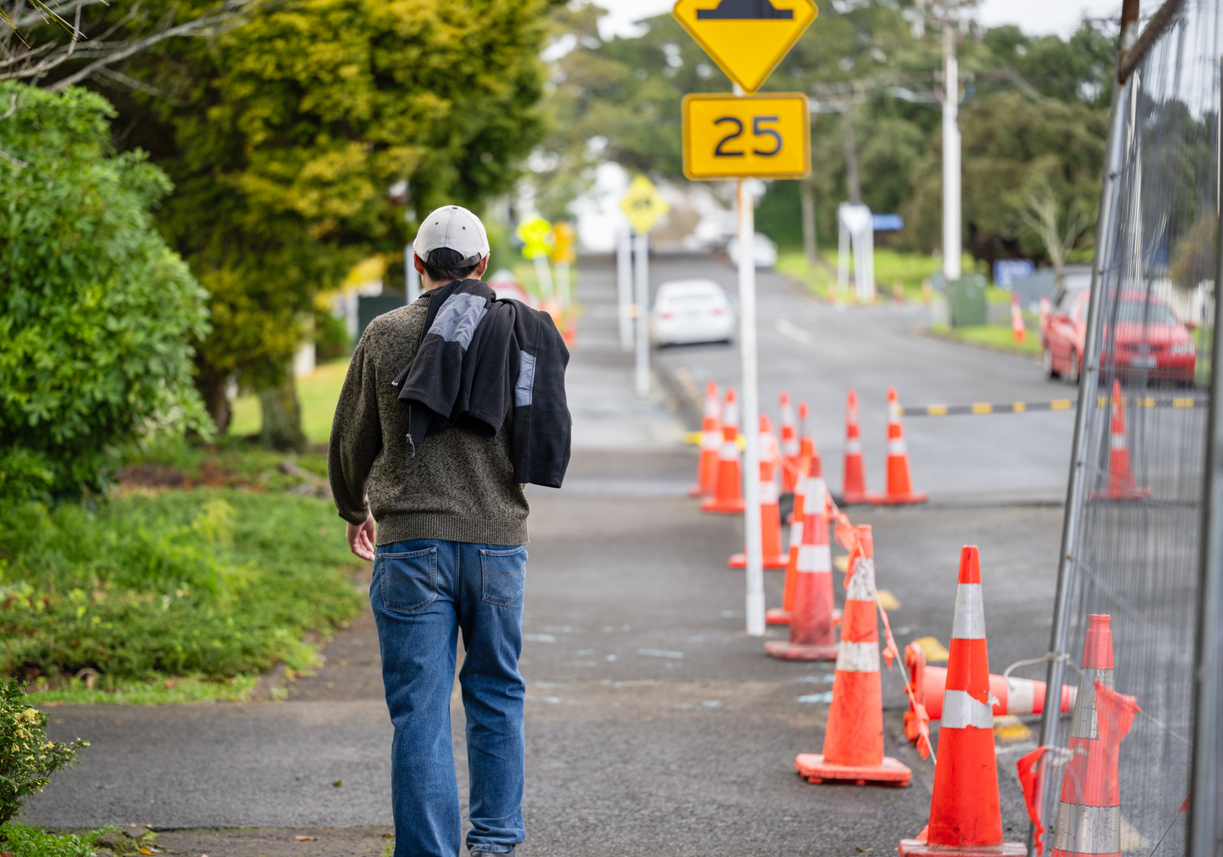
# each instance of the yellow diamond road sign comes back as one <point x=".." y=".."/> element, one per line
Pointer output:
<point x="644" y="205"/>
<point x="746" y="38"/>
<point x="534" y="234"/>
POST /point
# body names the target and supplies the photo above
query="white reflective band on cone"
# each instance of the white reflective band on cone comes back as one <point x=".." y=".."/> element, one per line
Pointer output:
<point x="858" y="657"/>
<point x="862" y="584"/>
<point x="961" y="710"/>
<point x="893" y="412"/>
<point x="853" y="447"/>
<point x="796" y="532"/>
<point x="1116" y="441"/>
<point x="769" y="495"/>
<point x="1020" y="696"/>
<point x="896" y="447"/>
<point x="791" y="447"/>
<point x="813" y="559"/>
<point x="730" y="451"/>
<point x="711" y="440"/>
<point x="1088" y="829"/>
<point x="1085" y="723"/>
<point x="969" y="613"/>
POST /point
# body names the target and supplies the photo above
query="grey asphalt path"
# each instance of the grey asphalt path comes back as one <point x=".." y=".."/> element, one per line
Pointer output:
<point x="655" y="725"/>
<point x="818" y="353"/>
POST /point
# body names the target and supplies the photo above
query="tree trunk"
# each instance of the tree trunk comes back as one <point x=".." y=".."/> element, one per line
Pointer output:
<point x="216" y="400"/>
<point x="811" y="247"/>
<point x="282" y="418"/>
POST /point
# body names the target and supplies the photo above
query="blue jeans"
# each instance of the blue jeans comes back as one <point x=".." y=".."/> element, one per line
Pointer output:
<point x="423" y="593"/>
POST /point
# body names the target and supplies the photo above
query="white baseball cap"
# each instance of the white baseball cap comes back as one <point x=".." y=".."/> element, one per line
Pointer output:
<point x="454" y="228"/>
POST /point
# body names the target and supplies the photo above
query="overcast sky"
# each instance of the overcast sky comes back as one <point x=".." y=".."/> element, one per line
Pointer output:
<point x="1038" y="17"/>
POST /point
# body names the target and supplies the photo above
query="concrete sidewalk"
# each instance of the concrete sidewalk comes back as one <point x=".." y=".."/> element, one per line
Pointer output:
<point x="655" y="726"/>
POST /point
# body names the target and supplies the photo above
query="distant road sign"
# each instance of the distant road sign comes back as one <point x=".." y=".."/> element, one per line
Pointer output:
<point x="888" y="222"/>
<point x="1007" y="271"/>
<point x="534" y="234"/>
<point x="644" y="205"/>
<point x="762" y="136"/>
<point x="746" y="38"/>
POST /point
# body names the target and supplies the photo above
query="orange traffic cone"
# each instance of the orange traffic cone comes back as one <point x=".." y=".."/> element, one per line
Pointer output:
<point x="853" y="739"/>
<point x="853" y="485"/>
<point x="1089" y="818"/>
<point x="728" y="494"/>
<point x="711" y="443"/>
<point x="781" y="615"/>
<point x="1120" y="472"/>
<point x="966" y="810"/>
<point x="900" y="484"/>
<point x="812" y="629"/>
<point x="1018" y="328"/>
<point x="770" y="502"/>
<point x="790" y="446"/>
<point x="1018" y="697"/>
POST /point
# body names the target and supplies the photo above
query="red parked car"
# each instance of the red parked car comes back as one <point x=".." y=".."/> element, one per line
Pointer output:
<point x="1151" y="342"/>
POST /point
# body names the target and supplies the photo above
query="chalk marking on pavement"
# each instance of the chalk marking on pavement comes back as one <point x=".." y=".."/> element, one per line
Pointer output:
<point x="539" y="638"/>
<point x="659" y="653"/>
<point x="817" y="697"/>
<point x="796" y="333"/>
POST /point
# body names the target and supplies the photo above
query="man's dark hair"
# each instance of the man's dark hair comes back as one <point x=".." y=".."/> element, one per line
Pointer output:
<point x="444" y="265"/>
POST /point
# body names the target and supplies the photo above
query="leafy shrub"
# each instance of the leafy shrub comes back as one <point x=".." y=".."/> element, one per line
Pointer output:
<point x="96" y="313"/>
<point x="27" y="758"/>
<point x="30" y="840"/>
<point x="213" y="583"/>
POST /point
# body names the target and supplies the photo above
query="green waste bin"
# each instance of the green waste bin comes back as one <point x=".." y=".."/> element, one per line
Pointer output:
<point x="967" y="298"/>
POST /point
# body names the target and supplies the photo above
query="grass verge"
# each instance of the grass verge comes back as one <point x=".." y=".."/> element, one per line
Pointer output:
<point x="169" y="596"/>
<point x="30" y="840"/>
<point x="996" y="336"/>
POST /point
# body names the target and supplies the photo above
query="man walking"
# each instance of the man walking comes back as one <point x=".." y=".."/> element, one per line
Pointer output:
<point x="451" y="404"/>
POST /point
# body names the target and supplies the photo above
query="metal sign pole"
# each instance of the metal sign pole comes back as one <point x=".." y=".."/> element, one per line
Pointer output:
<point x="753" y="536"/>
<point x="412" y="281"/>
<point x="641" y="312"/>
<point x="624" y="287"/>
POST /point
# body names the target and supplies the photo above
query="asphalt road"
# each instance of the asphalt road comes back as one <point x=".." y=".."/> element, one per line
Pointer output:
<point x="655" y="725"/>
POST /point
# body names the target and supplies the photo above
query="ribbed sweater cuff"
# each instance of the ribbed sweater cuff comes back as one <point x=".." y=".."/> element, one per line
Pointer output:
<point x="406" y="528"/>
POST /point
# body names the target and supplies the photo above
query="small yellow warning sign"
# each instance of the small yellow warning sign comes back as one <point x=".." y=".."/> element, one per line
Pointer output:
<point x="644" y="205"/>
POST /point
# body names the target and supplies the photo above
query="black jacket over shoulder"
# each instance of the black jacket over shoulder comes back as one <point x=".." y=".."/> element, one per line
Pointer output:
<point x="479" y="358"/>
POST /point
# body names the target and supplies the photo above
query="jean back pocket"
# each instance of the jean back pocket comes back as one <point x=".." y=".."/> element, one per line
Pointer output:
<point x="408" y="580"/>
<point x="504" y="574"/>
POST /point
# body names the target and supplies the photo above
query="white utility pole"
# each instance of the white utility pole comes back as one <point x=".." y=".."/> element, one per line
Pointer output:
<point x="412" y="278"/>
<point x="642" y="314"/>
<point x="952" y="219"/>
<point x="624" y="286"/>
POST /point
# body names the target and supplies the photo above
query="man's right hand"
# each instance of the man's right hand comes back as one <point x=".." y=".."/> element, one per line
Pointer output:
<point x="361" y="539"/>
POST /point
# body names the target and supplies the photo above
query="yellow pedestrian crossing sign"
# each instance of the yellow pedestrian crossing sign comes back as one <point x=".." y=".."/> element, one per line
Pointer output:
<point x="534" y="234"/>
<point x="746" y="38"/>
<point x="644" y="205"/>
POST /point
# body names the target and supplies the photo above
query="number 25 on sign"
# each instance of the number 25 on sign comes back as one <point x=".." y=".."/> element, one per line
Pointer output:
<point x="764" y="136"/>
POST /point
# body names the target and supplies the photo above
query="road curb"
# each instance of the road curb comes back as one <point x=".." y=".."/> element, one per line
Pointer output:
<point x="926" y="333"/>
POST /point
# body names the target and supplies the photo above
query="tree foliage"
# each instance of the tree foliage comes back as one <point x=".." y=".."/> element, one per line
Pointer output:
<point x="96" y="313"/>
<point x="284" y="136"/>
<point x="27" y="758"/>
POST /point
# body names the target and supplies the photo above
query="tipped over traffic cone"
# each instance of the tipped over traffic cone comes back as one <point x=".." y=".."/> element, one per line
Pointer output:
<point x="790" y="446"/>
<point x="1018" y="697"/>
<point x="711" y="443"/>
<point x="966" y="810"/>
<point x="853" y="739"/>
<point x="900" y="483"/>
<point x="853" y="485"/>
<point x="728" y="493"/>
<point x="1120" y="472"/>
<point x="806" y="469"/>
<point x="1089" y="817"/>
<point x="812" y="627"/>
<point x="770" y="502"/>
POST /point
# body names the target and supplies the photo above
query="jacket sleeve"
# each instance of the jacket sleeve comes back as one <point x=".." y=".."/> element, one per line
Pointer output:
<point x="356" y="438"/>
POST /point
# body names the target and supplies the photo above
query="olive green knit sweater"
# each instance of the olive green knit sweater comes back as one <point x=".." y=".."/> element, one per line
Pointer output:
<point x="456" y="487"/>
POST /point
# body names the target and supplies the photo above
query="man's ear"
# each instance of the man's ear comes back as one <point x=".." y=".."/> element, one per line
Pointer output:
<point x="420" y="269"/>
<point x="482" y="267"/>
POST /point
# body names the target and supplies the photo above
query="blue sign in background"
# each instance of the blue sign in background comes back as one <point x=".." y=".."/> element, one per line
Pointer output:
<point x="1007" y="271"/>
<point x="887" y="222"/>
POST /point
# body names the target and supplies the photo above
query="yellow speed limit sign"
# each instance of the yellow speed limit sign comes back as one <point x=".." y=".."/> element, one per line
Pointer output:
<point x="761" y="136"/>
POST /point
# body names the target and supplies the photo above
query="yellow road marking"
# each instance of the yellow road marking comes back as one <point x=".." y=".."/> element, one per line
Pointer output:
<point x="1061" y="405"/>
<point x="937" y="410"/>
<point x="887" y="600"/>
<point x="935" y="652"/>
<point x="983" y="409"/>
<point x="1009" y="729"/>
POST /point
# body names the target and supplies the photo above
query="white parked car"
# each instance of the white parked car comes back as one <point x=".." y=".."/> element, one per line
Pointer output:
<point x="690" y="311"/>
<point x="764" y="250"/>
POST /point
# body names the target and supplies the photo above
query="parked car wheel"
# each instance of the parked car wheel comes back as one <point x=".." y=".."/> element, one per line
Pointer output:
<point x="1046" y="362"/>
